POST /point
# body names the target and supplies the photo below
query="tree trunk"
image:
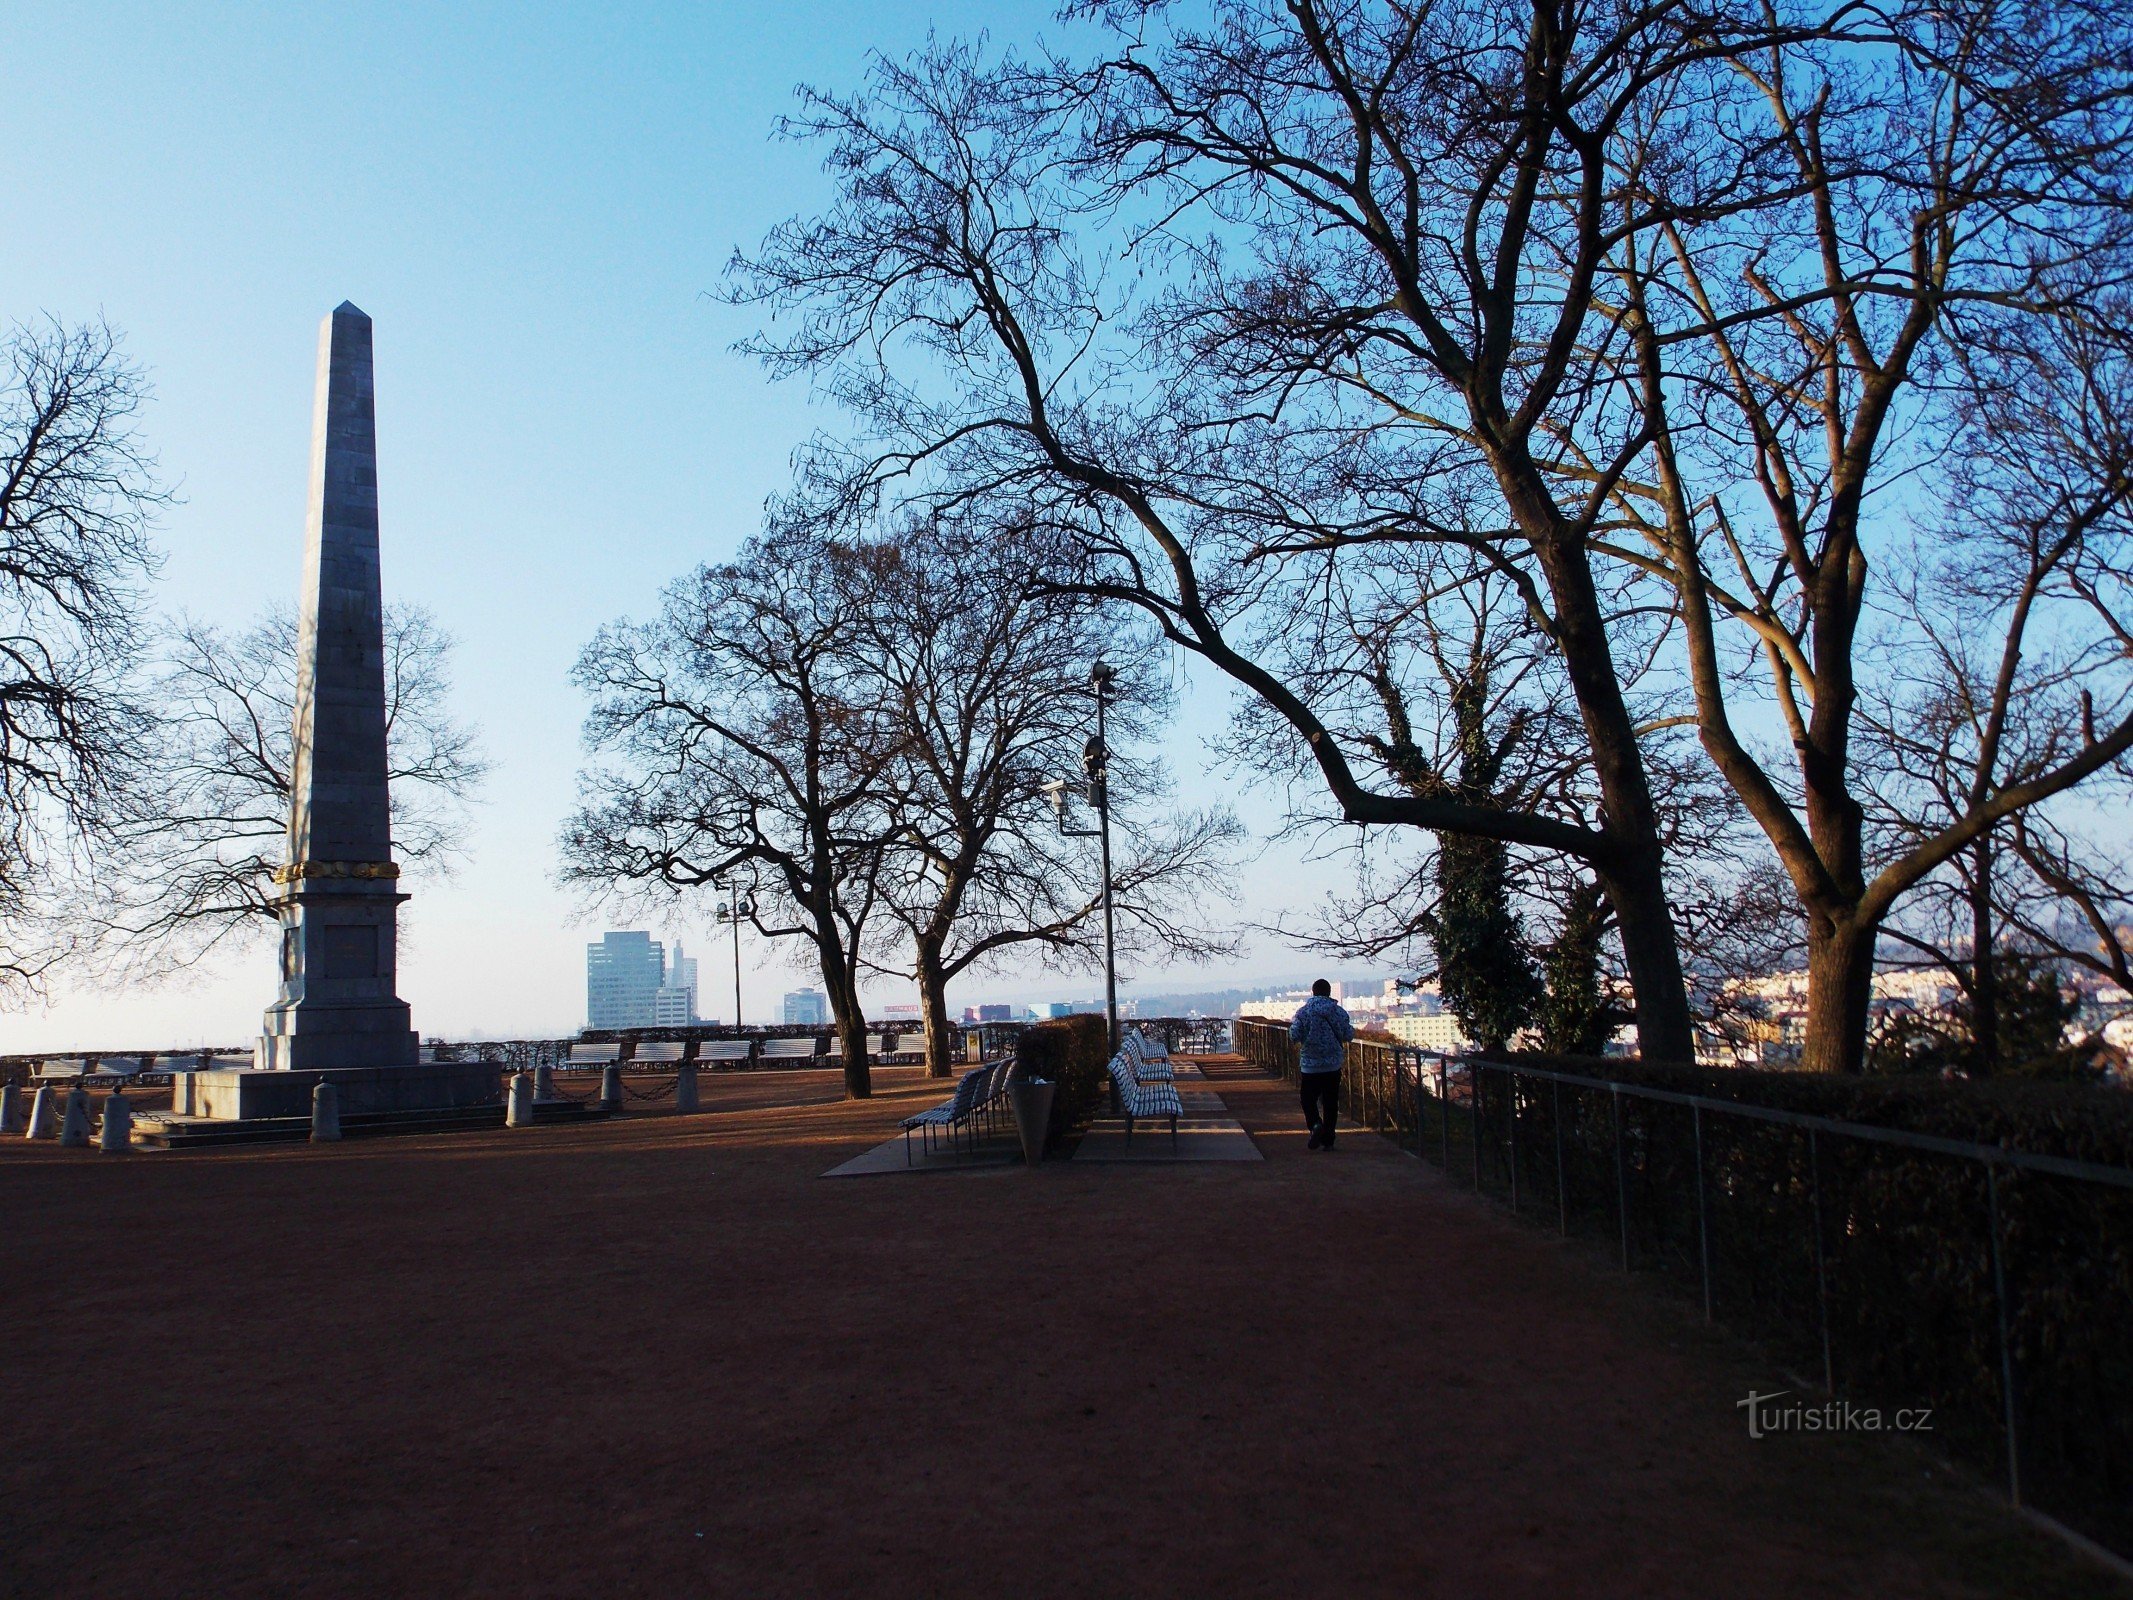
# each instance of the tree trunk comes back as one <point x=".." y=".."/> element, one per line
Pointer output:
<point x="933" y="1001"/>
<point x="1984" y="974"/>
<point x="1633" y="878"/>
<point x="852" y="1034"/>
<point x="1840" y="989"/>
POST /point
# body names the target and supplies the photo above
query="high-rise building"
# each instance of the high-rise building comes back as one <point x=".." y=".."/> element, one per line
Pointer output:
<point x="675" y="1004"/>
<point x="624" y="973"/>
<point x="807" y="1008"/>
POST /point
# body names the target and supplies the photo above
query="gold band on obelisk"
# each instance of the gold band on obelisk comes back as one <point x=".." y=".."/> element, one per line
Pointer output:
<point x="296" y="870"/>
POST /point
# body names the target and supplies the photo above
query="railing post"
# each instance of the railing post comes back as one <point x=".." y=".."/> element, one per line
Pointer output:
<point x="1562" y="1192"/>
<point x="1814" y="1166"/>
<point x="1473" y="1113"/>
<point x="1703" y="1221"/>
<point x="1510" y="1083"/>
<point x="1999" y="1297"/>
<point x="1444" y="1114"/>
<point x="1621" y="1179"/>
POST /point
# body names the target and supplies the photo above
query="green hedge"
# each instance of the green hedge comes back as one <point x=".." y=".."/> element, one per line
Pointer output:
<point x="1072" y="1052"/>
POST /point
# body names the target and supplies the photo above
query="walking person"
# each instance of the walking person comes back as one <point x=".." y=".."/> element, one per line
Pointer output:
<point x="1320" y="1029"/>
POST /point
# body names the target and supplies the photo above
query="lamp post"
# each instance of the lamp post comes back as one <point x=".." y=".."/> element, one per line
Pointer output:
<point x="736" y="904"/>
<point x="1095" y="764"/>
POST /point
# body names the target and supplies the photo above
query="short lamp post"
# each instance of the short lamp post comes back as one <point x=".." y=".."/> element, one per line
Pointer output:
<point x="735" y="905"/>
<point x="1095" y="762"/>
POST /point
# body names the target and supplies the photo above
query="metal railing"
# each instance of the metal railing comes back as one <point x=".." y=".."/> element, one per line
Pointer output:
<point x="1903" y="1269"/>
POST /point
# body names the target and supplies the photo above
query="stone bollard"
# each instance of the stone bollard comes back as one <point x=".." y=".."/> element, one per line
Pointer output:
<point x="117" y="1131"/>
<point x="10" y="1110"/>
<point x="543" y="1081"/>
<point x="74" y="1122"/>
<point x="611" y="1089"/>
<point x="518" y="1107"/>
<point x="685" y="1087"/>
<point x="44" y="1116"/>
<point x="325" y="1113"/>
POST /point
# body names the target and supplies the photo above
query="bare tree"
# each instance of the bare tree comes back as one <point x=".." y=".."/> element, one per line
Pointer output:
<point x="737" y="729"/>
<point x="1957" y="179"/>
<point x="197" y="848"/>
<point x="77" y="491"/>
<point x="2014" y="625"/>
<point x="987" y="668"/>
<point x="1386" y="327"/>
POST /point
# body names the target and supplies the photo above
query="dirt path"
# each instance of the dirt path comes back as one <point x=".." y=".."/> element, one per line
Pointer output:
<point x="661" y="1357"/>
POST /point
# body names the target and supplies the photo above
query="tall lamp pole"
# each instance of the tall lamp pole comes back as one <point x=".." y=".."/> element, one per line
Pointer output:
<point x="1095" y="764"/>
<point x="1096" y="759"/>
<point x="738" y="902"/>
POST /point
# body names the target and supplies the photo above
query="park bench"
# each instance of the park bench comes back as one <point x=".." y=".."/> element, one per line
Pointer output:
<point x="979" y="1095"/>
<point x="595" y="1055"/>
<point x="787" y="1051"/>
<point x="665" y="1053"/>
<point x="1145" y="1102"/>
<point x="955" y="1114"/>
<point x="1147" y="1068"/>
<point x="726" y="1050"/>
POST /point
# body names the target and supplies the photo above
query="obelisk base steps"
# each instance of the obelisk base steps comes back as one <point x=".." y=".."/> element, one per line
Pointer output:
<point x="248" y="1093"/>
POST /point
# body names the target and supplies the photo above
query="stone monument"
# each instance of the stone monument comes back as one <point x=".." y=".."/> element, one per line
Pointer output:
<point x="338" y="1016"/>
<point x="339" y="890"/>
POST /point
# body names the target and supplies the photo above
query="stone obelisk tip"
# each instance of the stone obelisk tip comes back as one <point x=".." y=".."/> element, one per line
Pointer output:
<point x="348" y="308"/>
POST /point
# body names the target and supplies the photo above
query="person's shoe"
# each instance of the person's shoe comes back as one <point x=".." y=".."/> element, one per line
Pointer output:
<point x="1326" y="1142"/>
<point x="1316" y="1139"/>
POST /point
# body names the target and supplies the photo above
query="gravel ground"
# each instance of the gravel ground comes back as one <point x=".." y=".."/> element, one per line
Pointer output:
<point x="659" y="1356"/>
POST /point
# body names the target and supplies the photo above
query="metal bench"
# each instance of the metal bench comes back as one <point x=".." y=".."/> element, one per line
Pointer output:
<point x="955" y="1114"/>
<point x="1145" y="1102"/>
<point x="1146" y="1068"/>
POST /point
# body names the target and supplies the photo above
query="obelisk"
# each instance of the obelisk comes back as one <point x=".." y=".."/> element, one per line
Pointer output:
<point x="339" y="898"/>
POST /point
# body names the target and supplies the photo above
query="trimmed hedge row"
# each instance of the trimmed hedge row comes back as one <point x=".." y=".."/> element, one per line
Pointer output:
<point x="1074" y="1053"/>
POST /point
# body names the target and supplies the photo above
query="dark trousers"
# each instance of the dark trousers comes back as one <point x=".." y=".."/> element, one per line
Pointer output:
<point x="1321" y="1100"/>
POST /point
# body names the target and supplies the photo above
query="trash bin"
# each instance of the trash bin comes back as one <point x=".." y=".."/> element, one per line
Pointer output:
<point x="1032" y="1098"/>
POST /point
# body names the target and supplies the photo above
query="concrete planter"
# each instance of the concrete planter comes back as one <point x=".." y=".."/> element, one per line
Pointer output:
<point x="1032" y="1100"/>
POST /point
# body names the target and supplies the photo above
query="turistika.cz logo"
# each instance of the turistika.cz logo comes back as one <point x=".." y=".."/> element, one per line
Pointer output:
<point x="1766" y="1416"/>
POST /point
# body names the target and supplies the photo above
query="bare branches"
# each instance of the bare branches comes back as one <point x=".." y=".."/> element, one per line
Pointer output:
<point x="736" y="734"/>
<point x="195" y="850"/>
<point x="77" y="491"/>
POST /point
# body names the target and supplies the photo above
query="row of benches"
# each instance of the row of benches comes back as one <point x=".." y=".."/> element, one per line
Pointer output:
<point x="1141" y="1071"/>
<point x="1147" y="1087"/>
<point x="882" y="1048"/>
<point x="977" y="1098"/>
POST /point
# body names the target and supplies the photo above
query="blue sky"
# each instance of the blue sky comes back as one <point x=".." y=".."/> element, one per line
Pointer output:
<point x="532" y="202"/>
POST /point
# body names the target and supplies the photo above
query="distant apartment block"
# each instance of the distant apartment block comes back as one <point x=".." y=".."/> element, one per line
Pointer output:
<point x="988" y="1013"/>
<point x="807" y="1008"/>
<point x="1440" y="1032"/>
